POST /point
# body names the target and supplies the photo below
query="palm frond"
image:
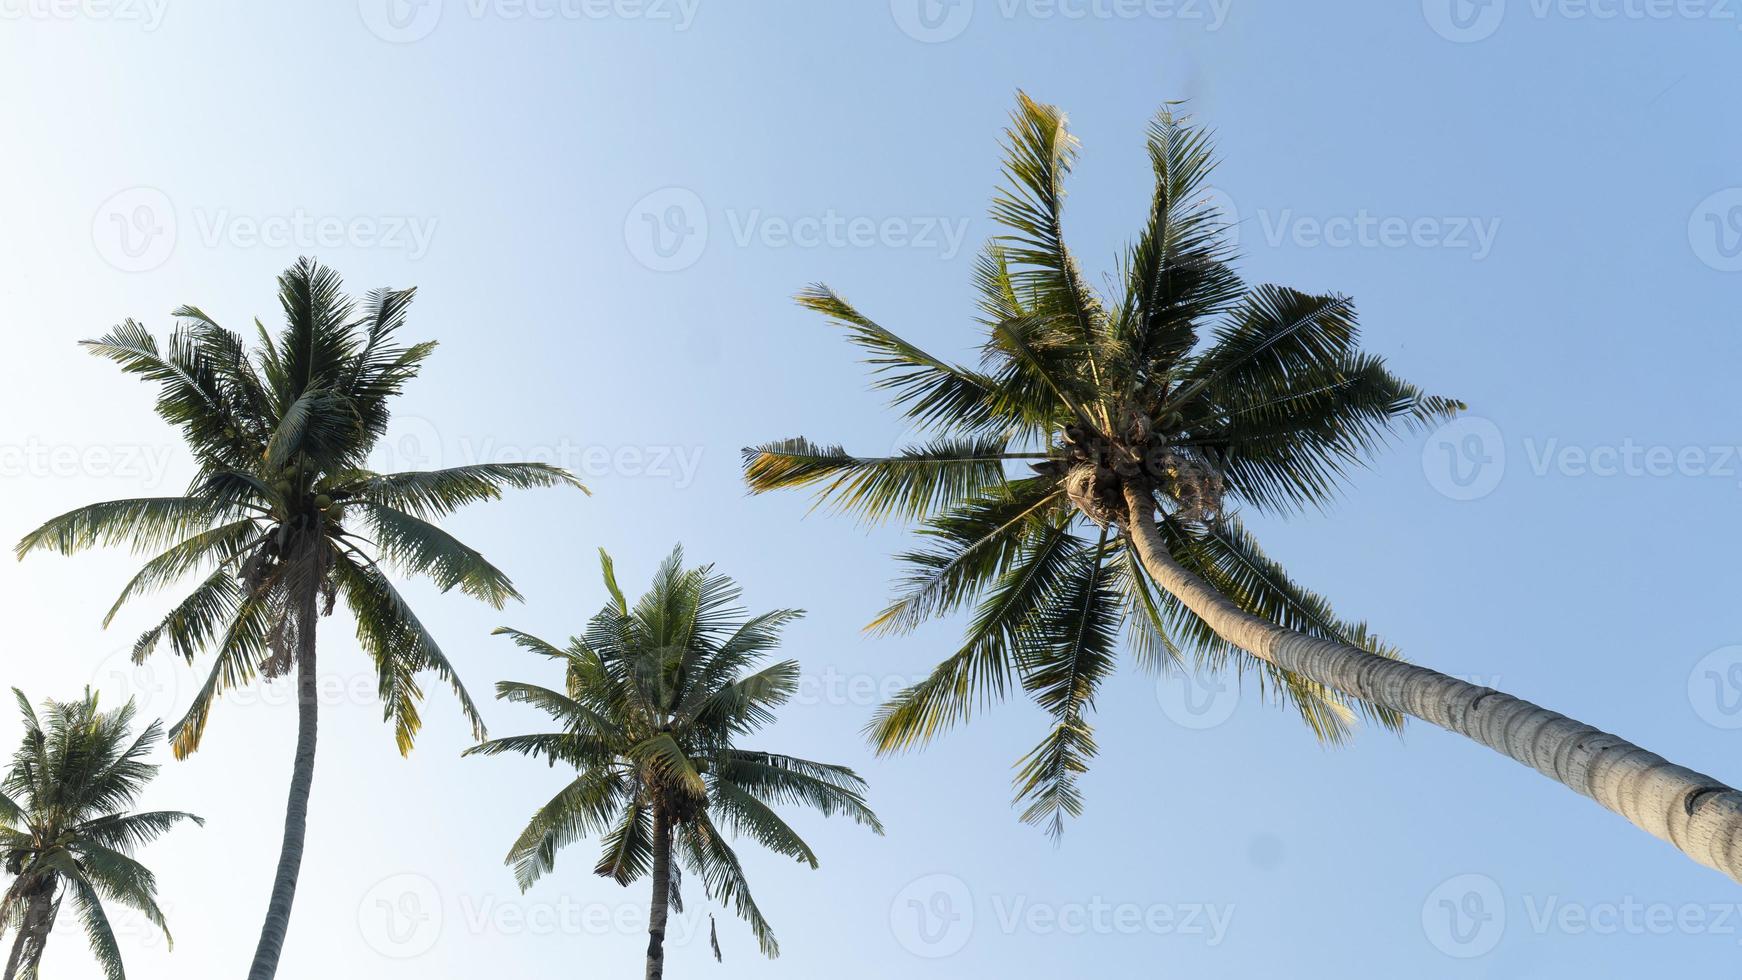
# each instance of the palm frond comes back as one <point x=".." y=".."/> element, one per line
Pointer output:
<point x="1039" y="152"/>
<point x="980" y="672"/>
<point x="583" y="808"/>
<point x="417" y="547"/>
<point x="144" y="524"/>
<point x="929" y="390"/>
<point x="1063" y="666"/>
<point x="908" y="486"/>
<point x="438" y="493"/>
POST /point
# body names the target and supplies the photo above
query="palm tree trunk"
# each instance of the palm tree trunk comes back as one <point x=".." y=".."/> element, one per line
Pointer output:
<point x="296" y="810"/>
<point x="33" y="932"/>
<point x="17" y="956"/>
<point x="1696" y="813"/>
<point x="656" y="914"/>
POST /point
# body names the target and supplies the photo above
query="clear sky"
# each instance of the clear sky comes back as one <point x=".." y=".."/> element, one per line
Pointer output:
<point x="607" y="205"/>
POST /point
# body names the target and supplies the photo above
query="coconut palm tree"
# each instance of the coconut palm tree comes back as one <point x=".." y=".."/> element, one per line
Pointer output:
<point x="655" y="701"/>
<point x="65" y="829"/>
<point x="283" y="517"/>
<point x="1121" y="406"/>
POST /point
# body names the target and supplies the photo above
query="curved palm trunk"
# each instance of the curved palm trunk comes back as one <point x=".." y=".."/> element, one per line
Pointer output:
<point x="27" y="949"/>
<point x="296" y="810"/>
<point x="1696" y="813"/>
<point x="657" y="910"/>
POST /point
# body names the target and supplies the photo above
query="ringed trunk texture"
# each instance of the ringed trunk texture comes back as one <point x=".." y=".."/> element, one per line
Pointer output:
<point x="296" y="810"/>
<point x="33" y="932"/>
<point x="1698" y="814"/>
<point x="657" y="910"/>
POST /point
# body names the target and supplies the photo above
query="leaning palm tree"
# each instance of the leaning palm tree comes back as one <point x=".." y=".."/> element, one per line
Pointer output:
<point x="1120" y="407"/>
<point x="283" y="517"/>
<point x="655" y="699"/>
<point x="65" y="829"/>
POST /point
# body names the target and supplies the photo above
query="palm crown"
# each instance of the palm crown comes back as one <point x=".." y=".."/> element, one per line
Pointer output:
<point x="1099" y="395"/>
<point x="283" y="511"/>
<point x="65" y="829"/>
<point x="656" y="698"/>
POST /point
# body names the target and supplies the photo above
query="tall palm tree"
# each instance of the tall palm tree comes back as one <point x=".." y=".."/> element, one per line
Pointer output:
<point x="283" y="517"/>
<point x="1120" y="408"/>
<point x="655" y="699"/>
<point x="65" y="829"/>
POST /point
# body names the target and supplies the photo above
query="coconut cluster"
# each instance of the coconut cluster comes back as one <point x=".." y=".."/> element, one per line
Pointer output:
<point x="1094" y="470"/>
<point x="681" y="804"/>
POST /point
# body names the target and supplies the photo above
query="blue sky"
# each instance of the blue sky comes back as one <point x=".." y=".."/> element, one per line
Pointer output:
<point x="1537" y="205"/>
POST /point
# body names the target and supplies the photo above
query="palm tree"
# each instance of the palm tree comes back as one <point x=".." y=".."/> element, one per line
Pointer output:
<point x="1120" y="408"/>
<point x="283" y="517"/>
<point x="655" y="700"/>
<point x="65" y="829"/>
